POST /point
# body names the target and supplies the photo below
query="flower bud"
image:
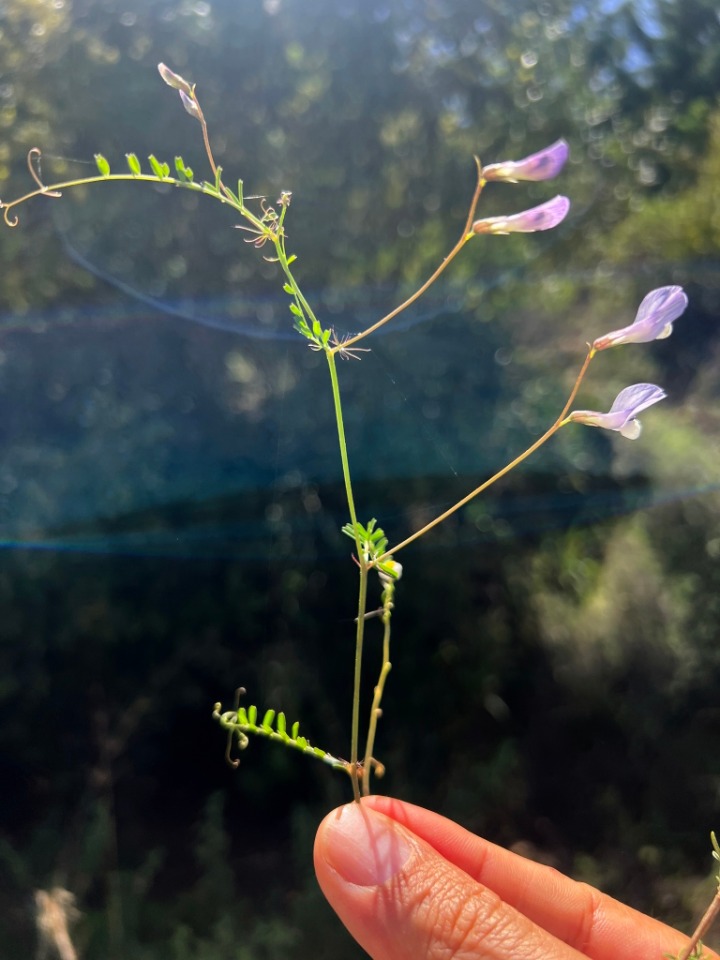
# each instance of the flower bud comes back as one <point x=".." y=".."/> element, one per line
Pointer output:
<point x="173" y="79"/>
<point x="191" y="105"/>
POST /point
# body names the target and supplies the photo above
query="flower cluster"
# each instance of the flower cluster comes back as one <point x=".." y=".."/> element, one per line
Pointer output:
<point x="653" y="321"/>
<point x="543" y="165"/>
<point x="655" y="316"/>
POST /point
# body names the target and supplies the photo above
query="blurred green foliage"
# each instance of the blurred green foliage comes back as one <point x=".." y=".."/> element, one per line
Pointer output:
<point x="556" y="666"/>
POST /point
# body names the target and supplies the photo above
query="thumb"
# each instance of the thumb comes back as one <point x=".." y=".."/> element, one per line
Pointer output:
<point x="402" y="900"/>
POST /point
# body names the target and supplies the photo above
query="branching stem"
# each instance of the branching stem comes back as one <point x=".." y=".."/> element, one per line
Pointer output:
<point x="466" y="235"/>
<point x="559" y="422"/>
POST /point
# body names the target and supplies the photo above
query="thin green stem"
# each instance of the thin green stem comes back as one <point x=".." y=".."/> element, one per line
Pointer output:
<point x="559" y="422"/>
<point x="361" y="559"/>
<point x="466" y="235"/>
<point x="208" y="150"/>
<point x="357" y="677"/>
<point x="375" y="711"/>
<point x="53" y="190"/>
<point x="343" y="444"/>
<point x="362" y="592"/>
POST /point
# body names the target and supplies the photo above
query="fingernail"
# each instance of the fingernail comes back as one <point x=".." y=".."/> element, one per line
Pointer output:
<point x="365" y="847"/>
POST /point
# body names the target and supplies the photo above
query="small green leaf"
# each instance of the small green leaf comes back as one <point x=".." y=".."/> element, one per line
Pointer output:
<point x="268" y="719"/>
<point x="288" y="288"/>
<point x="316" y="328"/>
<point x="319" y="752"/>
<point x="280" y="725"/>
<point x="134" y="164"/>
<point x="218" y="177"/>
<point x="240" y="193"/>
<point x="302" y="328"/>
<point x="295" y="729"/>
<point x="292" y="258"/>
<point x="102" y="165"/>
<point x="294" y="308"/>
<point x="301" y="742"/>
<point x="252" y="715"/>
<point x="242" y="715"/>
<point x="155" y="164"/>
<point x="161" y="170"/>
<point x="182" y="170"/>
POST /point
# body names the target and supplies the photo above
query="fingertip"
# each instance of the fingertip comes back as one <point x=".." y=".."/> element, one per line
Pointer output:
<point x="361" y="846"/>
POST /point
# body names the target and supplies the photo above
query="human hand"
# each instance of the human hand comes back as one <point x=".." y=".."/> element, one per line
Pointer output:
<point x="410" y="885"/>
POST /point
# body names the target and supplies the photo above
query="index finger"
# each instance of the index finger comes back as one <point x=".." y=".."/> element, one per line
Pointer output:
<point x="592" y="922"/>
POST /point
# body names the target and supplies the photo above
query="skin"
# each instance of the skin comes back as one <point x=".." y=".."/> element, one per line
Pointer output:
<point x="410" y="885"/>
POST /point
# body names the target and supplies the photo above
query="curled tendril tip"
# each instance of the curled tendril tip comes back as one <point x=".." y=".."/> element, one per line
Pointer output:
<point x="34" y="156"/>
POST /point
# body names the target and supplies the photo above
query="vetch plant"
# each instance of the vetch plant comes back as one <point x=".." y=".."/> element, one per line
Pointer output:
<point x="374" y="553"/>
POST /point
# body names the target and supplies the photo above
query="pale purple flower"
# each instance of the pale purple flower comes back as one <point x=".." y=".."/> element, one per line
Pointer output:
<point x="653" y="320"/>
<point x="543" y="165"/>
<point x="191" y="105"/>
<point x="543" y="217"/>
<point x="174" y="80"/>
<point x="622" y="414"/>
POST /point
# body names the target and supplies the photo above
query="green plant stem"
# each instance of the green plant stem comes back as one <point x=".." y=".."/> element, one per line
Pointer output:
<point x="466" y="235"/>
<point x="559" y="422"/>
<point x="357" y="677"/>
<point x="362" y="562"/>
<point x="343" y="444"/>
<point x="362" y="591"/>
<point x="375" y="711"/>
<point x="54" y="189"/>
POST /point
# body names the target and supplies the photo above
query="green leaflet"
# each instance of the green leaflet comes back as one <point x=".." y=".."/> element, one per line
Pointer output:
<point x="134" y="164"/>
<point x="161" y="170"/>
<point x="184" y="172"/>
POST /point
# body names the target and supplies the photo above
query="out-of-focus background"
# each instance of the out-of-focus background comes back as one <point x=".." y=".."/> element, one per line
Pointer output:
<point x="170" y="495"/>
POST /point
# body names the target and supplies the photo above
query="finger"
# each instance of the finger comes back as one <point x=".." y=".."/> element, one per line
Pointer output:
<point x="402" y="900"/>
<point x="577" y="914"/>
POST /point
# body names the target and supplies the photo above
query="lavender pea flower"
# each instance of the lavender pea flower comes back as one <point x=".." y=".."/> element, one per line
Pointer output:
<point x="653" y="320"/>
<point x="543" y="217"/>
<point x="191" y="105"/>
<point x="622" y="414"/>
<point x="543" y="165"/>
